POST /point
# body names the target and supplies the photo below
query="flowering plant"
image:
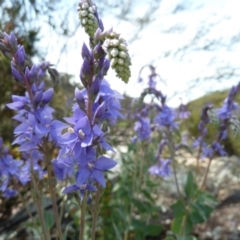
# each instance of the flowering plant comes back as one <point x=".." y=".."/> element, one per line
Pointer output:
<point x="60" y="160"/>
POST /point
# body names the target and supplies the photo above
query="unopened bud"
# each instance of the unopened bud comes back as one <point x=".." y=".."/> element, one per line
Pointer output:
<point x="84" y="13"/>
<point x="84" y="6"/>
<point x="114" y="52"/>
<point x="122" y="54"/>
<point x="120" y="61"/>
<point x="114" y="42"/>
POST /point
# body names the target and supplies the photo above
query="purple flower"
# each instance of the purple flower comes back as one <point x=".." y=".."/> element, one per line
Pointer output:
<point x="92" y="167"/>
<point x="32" y="163"/>
<point x="78" y="137"/>
<point x="143" y="128"/>
<point x="63" y="166"/>
<point x="10" y="169"/>
<point x="81" y="189"/>
<point x="166" y="117"/>
<point x="182" y="112"/>
<point x="162" y="168"/>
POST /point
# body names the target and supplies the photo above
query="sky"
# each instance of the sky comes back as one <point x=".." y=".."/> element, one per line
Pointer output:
<point x="186" y="41"/>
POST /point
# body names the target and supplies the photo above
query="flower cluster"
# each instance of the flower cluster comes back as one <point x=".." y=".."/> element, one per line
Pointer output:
<point x="225" y="118"/>
<point x="36" y="125"/>
<point x="158" y="117"/>
<point x="153" y="77"/>
<point x="83" y="141"/>
<point x="227" y="114"/>
<point x="88" y="16"/>
<point x="162" y="167"/>
<point x="116" y="48"/>
<point x="11" y="169"/>
<point x="143" y="128"/>
<point x="96" y="105"/>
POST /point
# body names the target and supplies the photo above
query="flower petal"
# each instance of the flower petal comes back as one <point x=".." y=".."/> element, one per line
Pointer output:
<point x="104" y="163"/>
<point x="99" y="177"/>
<point x="70" y="189"/>
<point x="83" y="175"/>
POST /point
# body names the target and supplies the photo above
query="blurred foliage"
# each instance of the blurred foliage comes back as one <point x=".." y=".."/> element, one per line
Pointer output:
<point x="128" y="205"/>
<point x="194" y="209"/>
<point x="231" y="144"/>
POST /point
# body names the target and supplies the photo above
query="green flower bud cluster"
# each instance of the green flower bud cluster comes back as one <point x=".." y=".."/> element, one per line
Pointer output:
<point x="117" y="51"/>
<point x="87" y="17"/>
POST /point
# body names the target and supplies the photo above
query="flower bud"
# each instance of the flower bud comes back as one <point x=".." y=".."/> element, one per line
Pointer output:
<point x="97" y="34"/>
<point x="20" y="56"/>
<point x="114" y="42"/>
<point x="80" y="98"/>
<point x="87" y="15"/>
<point x="13" y="42"/>
<point x="17" y="75"/>
<point x="37" y="98"/>
<point x="122" y="54"/>
<point x="114" y="52"/>
<point x="120" y="61"/>
<point x="85" y="52"/>
<point x="84" y="6"/>
<point x="47" y="96"/>
<point x="84" y="13"/>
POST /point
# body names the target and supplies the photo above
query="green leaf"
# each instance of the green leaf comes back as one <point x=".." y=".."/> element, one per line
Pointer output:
<point x="151" y="184"/>
<point x="153" y="230"/>
<point x="121" y="214"/>
<point x="170" y="238"/>
<point x="139" y="236"/>
<point x="118" y="234"/>
<point x="208" y="198"/>
<point x="187" y="238"/>
<point x="191" y="187"/>
<point x="139" y="225"/>
<point x="178" y="208"/>
<point x="141" y="206"/>
<point x="196" y="217"/>
<point x="182" y="225"/>
<point x="49" y="219"/>
<point x="147" y="195"/>
<point x="200" y="209"/>
<point x="181" y="222"/>
<point x="116" y="187"/>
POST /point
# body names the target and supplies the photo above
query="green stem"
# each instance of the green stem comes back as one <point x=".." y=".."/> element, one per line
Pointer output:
<point x="134" y="189"/>
<point x="30" y="214"/>
<point x="142" y="155"/>
<point x="172" y="152"/>
<point x="83" y="210"/>
<point x="206" y="174"/>
<point x="38" y="204"/>
<point x="62" y="203"/>
<point x="52" y="189"/>
<point x="95" y="213"/>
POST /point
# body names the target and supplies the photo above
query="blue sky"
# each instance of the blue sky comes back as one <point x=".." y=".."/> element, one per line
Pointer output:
<point x="169" y="42"/>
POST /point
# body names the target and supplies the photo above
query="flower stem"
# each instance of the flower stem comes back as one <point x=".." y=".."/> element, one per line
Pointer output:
<point x="38" y="204"/>
<point x="52" y="189"/>
<point x="30" y="214"/>
<point x="83" y="210"/>
<point x="142" y="158"/>
<point x="206" y="174"/>
<point x="172" y="152"/>
<point x="95" y="213"/>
